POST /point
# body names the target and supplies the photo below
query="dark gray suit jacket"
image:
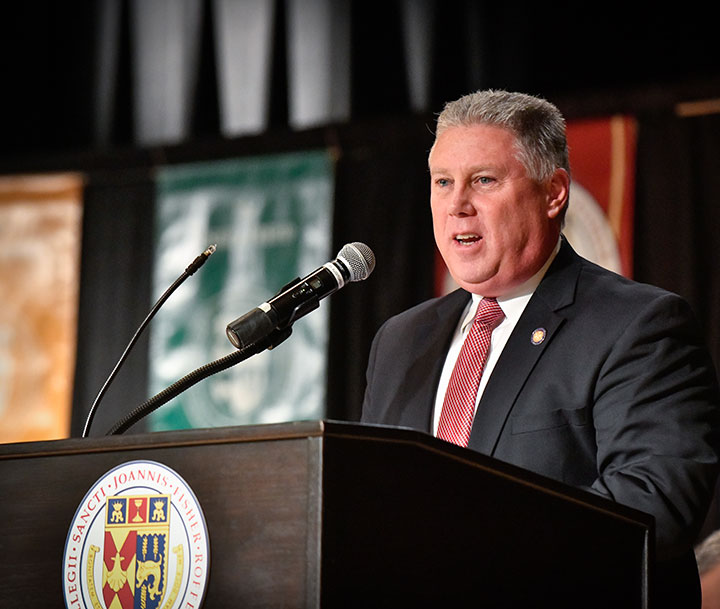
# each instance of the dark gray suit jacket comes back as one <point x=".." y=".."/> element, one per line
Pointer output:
<point x="621" y="397"/>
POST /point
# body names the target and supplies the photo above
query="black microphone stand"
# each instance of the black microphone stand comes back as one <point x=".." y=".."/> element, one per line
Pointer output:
<point x="269" y="342"/>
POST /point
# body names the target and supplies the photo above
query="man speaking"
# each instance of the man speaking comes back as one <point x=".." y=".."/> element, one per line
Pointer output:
<point x="543" y="359"/>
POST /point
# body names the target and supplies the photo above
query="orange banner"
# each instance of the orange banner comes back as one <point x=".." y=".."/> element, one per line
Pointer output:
<point x="40" y="226"/>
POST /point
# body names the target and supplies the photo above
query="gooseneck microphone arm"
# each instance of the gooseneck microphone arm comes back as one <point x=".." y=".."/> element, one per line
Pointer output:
<point x="194" y="377"/>
<point x="190" y="270"/>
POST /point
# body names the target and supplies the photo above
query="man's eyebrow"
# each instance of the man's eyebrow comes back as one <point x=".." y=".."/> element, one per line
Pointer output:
<point x="471" y="169"/>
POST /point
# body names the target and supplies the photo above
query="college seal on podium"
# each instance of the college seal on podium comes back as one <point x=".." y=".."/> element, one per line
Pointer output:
<point x="138" y="540"/>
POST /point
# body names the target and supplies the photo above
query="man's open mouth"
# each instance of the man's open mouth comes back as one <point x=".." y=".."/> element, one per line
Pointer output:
<point x="467" y="238"/>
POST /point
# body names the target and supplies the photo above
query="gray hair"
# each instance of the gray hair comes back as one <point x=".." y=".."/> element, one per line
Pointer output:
<point x="707" y="554"/>
<point x="538" y="126"/>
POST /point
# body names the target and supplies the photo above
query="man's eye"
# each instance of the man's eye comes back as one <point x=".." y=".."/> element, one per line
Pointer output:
<point x="442" y="181"/>
<point x="485" y="180"/>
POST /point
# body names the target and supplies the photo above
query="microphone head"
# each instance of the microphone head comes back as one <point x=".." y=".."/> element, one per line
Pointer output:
<point x="359" y="260"/>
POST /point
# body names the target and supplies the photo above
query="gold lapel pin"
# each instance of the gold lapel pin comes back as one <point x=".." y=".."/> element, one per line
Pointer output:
<point x="538" y="336"/>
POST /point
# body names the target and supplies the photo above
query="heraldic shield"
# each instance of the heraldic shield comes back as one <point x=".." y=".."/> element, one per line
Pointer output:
<point x="135" y="561"/>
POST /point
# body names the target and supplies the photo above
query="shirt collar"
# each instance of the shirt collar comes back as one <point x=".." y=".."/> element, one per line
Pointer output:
<point x="513" y="304"/>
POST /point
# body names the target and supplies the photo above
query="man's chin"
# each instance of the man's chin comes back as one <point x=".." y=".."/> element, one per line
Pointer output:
<point x="475" y="285"/>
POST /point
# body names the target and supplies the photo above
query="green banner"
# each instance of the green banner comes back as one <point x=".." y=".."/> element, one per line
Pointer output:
<point x="271" y="218"/>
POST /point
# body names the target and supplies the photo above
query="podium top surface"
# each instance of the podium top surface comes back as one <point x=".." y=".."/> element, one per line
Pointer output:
<point x="322" y="430"/>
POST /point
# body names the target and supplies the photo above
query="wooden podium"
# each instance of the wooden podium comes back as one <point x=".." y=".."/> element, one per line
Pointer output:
<point x="325" y="514"/>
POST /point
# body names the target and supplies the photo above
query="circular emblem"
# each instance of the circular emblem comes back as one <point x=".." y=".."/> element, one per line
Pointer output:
<point x="138" y="539"/>
<point x="538" y="336"/>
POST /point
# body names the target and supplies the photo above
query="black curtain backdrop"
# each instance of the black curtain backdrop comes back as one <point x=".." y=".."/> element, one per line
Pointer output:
<point x="678" y="212"/>
<point x="114" y="295"/>
<point x="678" y="219"/>
<point x="382" y="200"/>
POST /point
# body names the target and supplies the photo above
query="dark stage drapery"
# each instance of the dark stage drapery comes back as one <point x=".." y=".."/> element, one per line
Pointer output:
<point x="114" y="295"/>
<point x="678" y="219"/>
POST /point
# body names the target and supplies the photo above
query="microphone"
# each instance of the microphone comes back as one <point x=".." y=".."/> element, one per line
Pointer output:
<point x="354" y="262"/>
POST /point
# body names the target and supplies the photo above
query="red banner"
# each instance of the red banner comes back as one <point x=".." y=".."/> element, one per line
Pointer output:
<point x="602" y="161"/>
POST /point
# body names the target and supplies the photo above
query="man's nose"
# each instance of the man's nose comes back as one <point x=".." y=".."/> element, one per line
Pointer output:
<point x="461" y="202"/>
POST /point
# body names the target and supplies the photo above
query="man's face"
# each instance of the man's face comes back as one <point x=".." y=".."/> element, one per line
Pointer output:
<point x="494" y="226"/>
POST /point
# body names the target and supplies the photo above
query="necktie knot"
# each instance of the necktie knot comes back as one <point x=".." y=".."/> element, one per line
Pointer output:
<point x="489" y="313"/>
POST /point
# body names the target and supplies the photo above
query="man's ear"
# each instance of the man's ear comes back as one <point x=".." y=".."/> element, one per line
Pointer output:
<point x="558" y="192"/>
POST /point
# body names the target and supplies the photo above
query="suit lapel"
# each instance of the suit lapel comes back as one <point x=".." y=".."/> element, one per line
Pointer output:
<point x="518" y="359"/>
<point x="430" y="341"/>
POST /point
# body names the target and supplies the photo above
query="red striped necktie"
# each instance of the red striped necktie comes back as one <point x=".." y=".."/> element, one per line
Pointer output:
<point x="458" y="408"/>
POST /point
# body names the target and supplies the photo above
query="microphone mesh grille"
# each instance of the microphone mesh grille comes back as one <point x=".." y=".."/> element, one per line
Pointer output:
<point x="359" y="259"/>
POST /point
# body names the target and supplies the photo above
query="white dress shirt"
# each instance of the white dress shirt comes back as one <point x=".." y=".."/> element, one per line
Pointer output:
<point x="512" y="305"/>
